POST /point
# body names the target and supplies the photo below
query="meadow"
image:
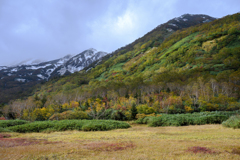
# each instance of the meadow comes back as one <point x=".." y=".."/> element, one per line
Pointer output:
<point x="138" y="142"/>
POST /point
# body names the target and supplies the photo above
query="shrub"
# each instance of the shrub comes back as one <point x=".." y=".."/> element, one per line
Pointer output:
<point x="85" y="125"/>
<point x="4" y="130"/>
<point x="118" y="115"/>
<point x="145" y="109"/>
<point x="134" y="111"/>
<point x="8" y="123"/>
<point x="232" y="122"/>
<point x="186" y="119"/>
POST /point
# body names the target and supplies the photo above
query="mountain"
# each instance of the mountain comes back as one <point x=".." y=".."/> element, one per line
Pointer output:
<point x="155" y="37"/>
<point x="28" y="62"/>
<point x="189" y="64"/>
<point x="164" y="58"/>
<point x="16" y="79"/>
<point x="80" y="61"/>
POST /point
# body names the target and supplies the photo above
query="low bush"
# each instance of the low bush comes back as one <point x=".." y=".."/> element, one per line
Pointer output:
<point x="4" y="130"/>
<point x="232" y="122"/>
<point x="85" y="125"/>
<point x="182" y="120"/>
<point x="186" y="119"/>
<point x="8" y="123"/>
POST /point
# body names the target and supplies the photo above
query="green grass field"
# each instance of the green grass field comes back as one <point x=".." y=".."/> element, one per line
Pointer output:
<point x="138" y="142"/>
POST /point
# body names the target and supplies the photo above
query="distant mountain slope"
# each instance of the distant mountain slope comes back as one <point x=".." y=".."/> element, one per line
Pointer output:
<point x="165" y="59"/>
<point x="155" y="37"/>
<point x="15" y="80"/>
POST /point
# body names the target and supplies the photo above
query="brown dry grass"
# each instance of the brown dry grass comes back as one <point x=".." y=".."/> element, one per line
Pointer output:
<point x="138" y="142"/>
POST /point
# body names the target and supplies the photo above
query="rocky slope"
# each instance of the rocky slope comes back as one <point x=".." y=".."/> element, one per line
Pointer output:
<point x="17" y="79"/>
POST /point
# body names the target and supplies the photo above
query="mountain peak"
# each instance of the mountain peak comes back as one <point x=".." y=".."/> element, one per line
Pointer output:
<point x="186" y="20"/>
<point x="92" y="49"/>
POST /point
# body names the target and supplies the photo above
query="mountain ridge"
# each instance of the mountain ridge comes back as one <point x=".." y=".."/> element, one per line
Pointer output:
<point x="20" y="76"/>
<point x="193" y="69"/>
<point x="161" y="32"/>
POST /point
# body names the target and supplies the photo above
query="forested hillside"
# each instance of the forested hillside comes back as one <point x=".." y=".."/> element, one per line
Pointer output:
<point x="191" y="70"/>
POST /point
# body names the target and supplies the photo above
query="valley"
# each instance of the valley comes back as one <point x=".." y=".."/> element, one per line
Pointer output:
<point x="138" y="142"/>
<point x="173" y="93"/>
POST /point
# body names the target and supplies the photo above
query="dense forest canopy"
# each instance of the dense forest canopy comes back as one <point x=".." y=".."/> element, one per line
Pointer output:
<point x="191" y="70"/>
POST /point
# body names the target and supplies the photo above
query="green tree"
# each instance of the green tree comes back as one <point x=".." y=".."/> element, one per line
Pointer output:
<point x="134" y="111"/>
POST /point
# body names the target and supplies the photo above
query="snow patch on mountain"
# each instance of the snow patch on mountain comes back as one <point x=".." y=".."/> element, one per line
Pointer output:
<point x="3" y="67"/>
<point x="207" y="20"/>
<point x="41" y="76"/>
<point x="169" y="30"/>
<point x="172" y="24"/>
<point x="28" y="62"/>
<point x="20" y="79"/>
<point x="37" y="67"/>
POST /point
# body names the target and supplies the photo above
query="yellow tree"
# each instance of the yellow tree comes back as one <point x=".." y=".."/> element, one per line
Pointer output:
<point x="97" y="108"/>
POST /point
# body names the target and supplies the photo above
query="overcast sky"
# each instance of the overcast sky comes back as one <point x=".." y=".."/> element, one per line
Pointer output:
<point x="50" y="29"/>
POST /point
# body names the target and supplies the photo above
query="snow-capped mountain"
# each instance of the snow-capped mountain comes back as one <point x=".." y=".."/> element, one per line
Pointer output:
<point x="28" y="62"/>
<point x="80" y="61"/>
<point x="30" y="71"/>
<point x="185" y="21"/>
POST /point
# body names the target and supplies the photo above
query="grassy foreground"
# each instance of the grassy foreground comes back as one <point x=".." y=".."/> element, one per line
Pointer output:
<point x="138" y="142"/>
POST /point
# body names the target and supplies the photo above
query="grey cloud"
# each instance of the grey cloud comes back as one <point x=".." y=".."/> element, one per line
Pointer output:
<point x="49" y="29"/>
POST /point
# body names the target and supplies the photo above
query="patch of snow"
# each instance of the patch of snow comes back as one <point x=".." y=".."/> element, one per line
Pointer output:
<point x="94" y="50"/>
<point x="3" y="67"/>
<point x="204" y="17"/>
<point x="88" y="55"/>
<point x="98" y="62"/>
<point x="49" y="71"/>
<point x="207" y="20"/>
<point x="177" y="19"/>
<point x="9" y="74"/>
<point x="60" y="61"/>
<point x="185" y="19"/>
<point x="73" y="69"/>
<point x="14" y="70"/>
<point x="41" y="76"/>
<point x="37" y="67"/>
<point x="28" y="62"/>
<point x="20" y="79"/>
<point x="88" y="69"/>
<point x="62" y="71"/>
<point x="172" y="24"/>
<point x="2" y="77"/>
<point x="169" y="30"/>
